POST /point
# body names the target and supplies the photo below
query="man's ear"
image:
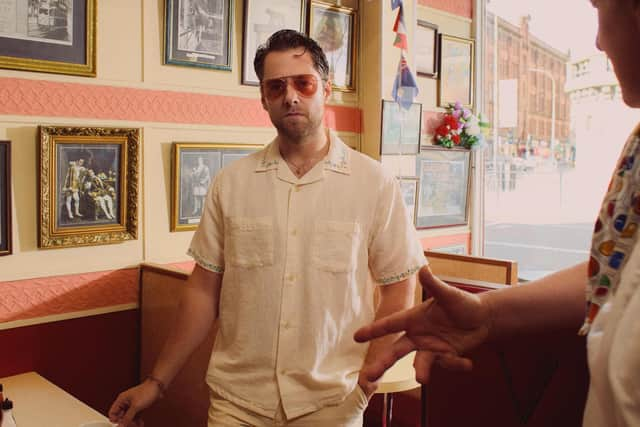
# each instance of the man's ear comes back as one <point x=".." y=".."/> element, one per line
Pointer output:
<point x="327" y="88"/>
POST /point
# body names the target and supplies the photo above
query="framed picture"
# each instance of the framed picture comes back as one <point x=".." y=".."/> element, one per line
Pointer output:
<point x="88" y="186"/>
<point x="456" y="71"/>
<point x="400" y="128"/>
<point x="261" y="19"/>
<point x="444" y="187"/>
<point x="50" y="36"/>
<point x="334" y="28"/>
<point x="194" y="166"/>
<point x="5" y="198"/>
<point x="409" y="189"/>
<point x="198" y="33"/>
<point x="426" y="46"/>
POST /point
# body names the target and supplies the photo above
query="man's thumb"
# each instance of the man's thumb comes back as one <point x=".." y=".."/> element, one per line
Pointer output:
<point x="436" y="288"/>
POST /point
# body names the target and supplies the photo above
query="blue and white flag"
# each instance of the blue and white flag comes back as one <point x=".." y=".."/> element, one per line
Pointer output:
<point x="405" y="88"/>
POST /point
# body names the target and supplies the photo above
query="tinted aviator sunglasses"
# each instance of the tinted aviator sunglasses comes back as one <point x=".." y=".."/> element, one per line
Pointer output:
<point x="305" y="84"/>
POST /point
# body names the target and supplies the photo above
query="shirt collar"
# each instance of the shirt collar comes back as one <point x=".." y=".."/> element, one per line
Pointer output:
<point x="338" y="159"/>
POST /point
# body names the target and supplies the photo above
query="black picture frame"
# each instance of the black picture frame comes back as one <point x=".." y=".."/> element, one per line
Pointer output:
<point x="51" y="37"/>
<point x="427" y="49"/>
<point x="261" y="19"/>
<point x="6" y="241"/>
<point x="445" y="180"/>
<point x="201" y="35"/>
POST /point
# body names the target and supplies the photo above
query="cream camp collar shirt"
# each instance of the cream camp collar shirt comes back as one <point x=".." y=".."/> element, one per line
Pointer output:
<point x="298" y="258"/>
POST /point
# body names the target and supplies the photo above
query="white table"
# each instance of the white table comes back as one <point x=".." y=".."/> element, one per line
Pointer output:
<point x="38" y="402"/>
<point x="400" y="377"/>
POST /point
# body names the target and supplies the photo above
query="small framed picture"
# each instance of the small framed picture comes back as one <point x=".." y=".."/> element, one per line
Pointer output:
<point x="5" y="198"/>
<point x="88" y="185"/>
<point x="194" y="167"/>
<point x="56" y="36"/>
<point x="409" y="189"/>
<point x="444" y="187"/>
<point x="456" y="82"/>
<point x="198" y="33"/>
<point x="261" y="19"/>
<point x="426" y="46"/>
<point x="334" y="28"/>
<point x="400" y="128"/>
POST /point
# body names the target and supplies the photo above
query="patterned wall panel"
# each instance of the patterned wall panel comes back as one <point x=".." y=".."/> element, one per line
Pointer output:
<point x="457" y="7"/>
<point x="26" y="97"/>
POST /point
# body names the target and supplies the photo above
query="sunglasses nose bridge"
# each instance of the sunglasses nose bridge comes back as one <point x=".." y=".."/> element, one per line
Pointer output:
<point x="291" y="93"/>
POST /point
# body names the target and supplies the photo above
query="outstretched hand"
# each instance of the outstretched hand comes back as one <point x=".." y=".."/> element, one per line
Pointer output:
<point x="126" y="409"/>
<point x="441" y="329"/>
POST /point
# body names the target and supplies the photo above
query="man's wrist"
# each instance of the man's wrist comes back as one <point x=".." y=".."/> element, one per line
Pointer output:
<point x="162" y="387"/>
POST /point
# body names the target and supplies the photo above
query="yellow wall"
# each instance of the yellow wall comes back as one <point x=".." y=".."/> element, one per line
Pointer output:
<point x="130" y="55"/>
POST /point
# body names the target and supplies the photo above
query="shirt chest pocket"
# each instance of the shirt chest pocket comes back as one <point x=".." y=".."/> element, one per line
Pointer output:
<point x="335" y="246"/>
<point x="249" y="242"/>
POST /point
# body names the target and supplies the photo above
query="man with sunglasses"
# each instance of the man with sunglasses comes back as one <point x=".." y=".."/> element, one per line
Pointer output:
<point x="292" y="241"/>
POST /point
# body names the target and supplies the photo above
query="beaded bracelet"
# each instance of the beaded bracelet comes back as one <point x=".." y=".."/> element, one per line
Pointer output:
<point x="159" y="383"/>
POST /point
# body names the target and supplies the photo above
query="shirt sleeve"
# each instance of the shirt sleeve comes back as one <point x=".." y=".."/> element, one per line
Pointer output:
<point x="395" y="252"/>
<point x="207" y="245"/>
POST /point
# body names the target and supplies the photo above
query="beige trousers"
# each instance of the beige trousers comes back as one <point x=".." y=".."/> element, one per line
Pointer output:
<point x="348" y="413"/>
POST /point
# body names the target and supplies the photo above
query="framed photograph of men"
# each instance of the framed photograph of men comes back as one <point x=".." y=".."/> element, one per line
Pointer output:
<point x="400" y="128"/>
<point x="456" y="81"/>
<point x="409" y="189"/>
<point x="51" y="36"/>
<point x="198" y="33"/>
<point x="263" y="18"/>
<point x="334" y="28"/>
<point x="194" y="167"/>
<point x="5" y="198"/>
<point x="444" y="187"/>
<point x="426" y="46"/>
<point x="88" y="185"/>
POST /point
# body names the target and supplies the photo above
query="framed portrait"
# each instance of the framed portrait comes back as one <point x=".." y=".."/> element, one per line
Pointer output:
<point x="334" y="28"/>
<point x="456" y="81"/>
<point x="409" y="189"/>
<point x="194" y="167"/>
<point x="5" y="198"/>
<point x="198" y="33"/>
<point x="88" y="186"/>
<point x="444" y="187"/>
<point x="50" y="36"/>
<point x="426" y="46"/>
<point x="261" y="19"/>
<point x="400" y="128"/>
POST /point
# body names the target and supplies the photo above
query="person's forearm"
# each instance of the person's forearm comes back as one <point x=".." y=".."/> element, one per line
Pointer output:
<point x="197" y="312"/>
<point x="393" y="298"/>
<point x="555" y="301"/>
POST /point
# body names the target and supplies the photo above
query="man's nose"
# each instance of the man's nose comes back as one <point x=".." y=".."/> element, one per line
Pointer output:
<point x="291" y="95"/>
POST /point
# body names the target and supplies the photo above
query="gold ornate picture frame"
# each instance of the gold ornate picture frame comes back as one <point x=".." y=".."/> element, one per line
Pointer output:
<point x="195" y="164"/>
<point x="49" y="36"/>
<point x="89" y="184"/>
<point x="335" y="30"/>
<point x="456" y="81"/>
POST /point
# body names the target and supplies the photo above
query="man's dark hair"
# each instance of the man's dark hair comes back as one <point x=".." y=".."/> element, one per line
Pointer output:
<point x="290" y="39"/>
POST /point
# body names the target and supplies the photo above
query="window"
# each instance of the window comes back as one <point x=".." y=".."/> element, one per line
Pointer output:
<point x="538" y="214"/>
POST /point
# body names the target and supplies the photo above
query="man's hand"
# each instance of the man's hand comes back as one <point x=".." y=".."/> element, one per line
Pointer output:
<point x="369" y="387"/>
<point x="442" y="329"/>
<point x="126" y="409"/>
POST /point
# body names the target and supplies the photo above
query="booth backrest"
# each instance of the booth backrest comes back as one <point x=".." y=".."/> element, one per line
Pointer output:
<point x="473" y="267"/>
<point x="187" y="401"/>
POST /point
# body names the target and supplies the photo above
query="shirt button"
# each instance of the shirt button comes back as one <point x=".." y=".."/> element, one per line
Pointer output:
<point x="291" y="277"/>
<point x="296" y="188"/>
<point x="294" y="232"/>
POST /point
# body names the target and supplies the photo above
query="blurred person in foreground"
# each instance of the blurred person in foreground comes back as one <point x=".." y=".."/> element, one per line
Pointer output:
<point x="452" y="322"/>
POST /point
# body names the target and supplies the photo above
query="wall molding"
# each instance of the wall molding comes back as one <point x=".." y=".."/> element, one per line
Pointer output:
<point x="463" y="8"/>
<point x="28" y="97"/>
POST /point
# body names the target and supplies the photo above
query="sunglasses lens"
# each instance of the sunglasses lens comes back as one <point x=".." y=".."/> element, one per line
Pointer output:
<point x="305" y="84"/>
<point x="274" y="88"/>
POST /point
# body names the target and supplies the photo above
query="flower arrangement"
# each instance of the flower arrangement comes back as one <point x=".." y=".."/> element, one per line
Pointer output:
<point x="460" y="128"/>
